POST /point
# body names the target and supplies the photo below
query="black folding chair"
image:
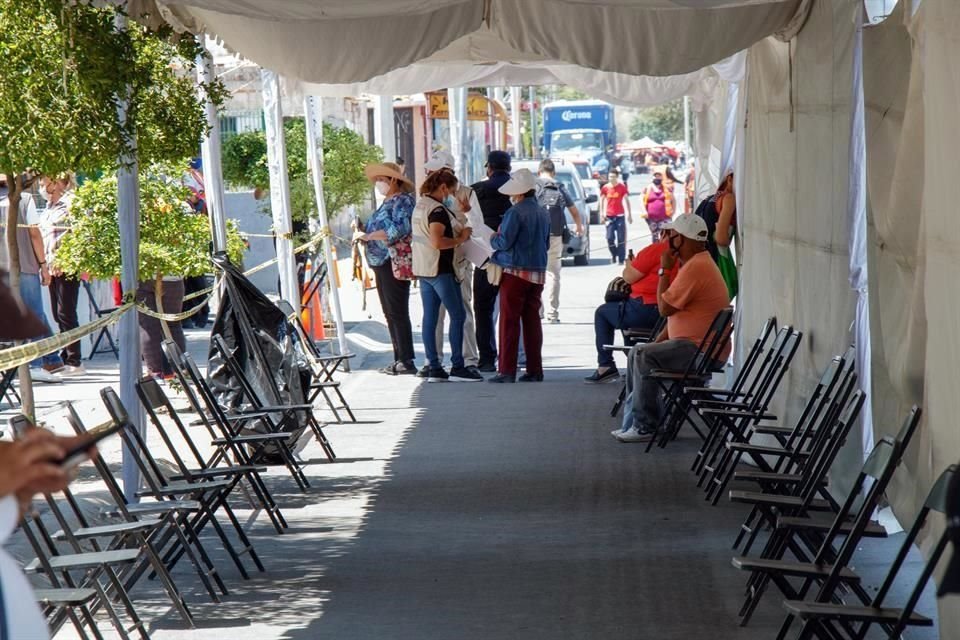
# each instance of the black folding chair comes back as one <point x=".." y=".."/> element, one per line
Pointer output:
<point x="210" y="493"/>
<point x="293" y="415"/>
<point x="828" y="566"/>
<point x="7" y="390"/>
<point x="104" y="333"/>
<point x="320" y="365"/>
<point x="675" y="405"/>
<point x="155" y="401"/>
<point x="631" y="338"/>
<point x="824" y="619"/>
<point x="234" y="433"/>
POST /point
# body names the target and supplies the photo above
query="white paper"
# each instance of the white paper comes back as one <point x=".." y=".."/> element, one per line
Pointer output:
<point x="477" y="249"/>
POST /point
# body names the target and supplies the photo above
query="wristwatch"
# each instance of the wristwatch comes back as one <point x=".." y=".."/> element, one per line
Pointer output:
<point x="661" y="272"/>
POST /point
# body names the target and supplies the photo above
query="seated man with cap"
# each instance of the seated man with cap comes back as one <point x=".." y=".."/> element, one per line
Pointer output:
<point x="689" y="303"/>
<point x="463" y="201"/>
<point x="520" y="248"/>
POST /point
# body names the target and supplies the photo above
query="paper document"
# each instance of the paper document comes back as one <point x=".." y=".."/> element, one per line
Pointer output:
<point x="477" y="250"/>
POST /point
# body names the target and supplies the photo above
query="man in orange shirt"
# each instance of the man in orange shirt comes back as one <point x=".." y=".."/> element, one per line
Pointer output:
<point x="689" y="303"/>
<point x="639" y="312"/>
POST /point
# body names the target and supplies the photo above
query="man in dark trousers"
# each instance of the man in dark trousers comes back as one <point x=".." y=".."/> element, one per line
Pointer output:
<point x="493" y="205"/>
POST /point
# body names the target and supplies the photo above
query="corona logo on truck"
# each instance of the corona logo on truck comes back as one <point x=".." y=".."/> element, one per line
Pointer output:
<point x="580" y="130"/>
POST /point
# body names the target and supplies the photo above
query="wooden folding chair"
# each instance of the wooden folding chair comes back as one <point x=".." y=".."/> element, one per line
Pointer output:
<point x="824" y="619"/>
<point x="321" y="366"/>
<point x="828" y="565"/>
<point x="211" y="493"/>
<point x="155" y="401"/>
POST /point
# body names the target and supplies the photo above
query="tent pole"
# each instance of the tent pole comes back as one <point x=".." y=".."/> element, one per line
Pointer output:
<point x="384" y="133"/>
<point x="515" y="121"/>
<point x="686" y="124"/>
<point x="313" y="110"/>
<point x="534" y="146"/>
<point x="128" y="218"/>
<point x="210" y="153"/>
<point x="457" y="101"/>
<point x="280" y="188"/>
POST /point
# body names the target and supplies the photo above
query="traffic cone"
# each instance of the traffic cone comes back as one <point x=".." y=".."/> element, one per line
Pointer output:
<point x="336" y="269"/>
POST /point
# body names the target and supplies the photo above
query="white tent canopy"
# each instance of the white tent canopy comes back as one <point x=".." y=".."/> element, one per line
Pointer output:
<point x="347" y="41"/>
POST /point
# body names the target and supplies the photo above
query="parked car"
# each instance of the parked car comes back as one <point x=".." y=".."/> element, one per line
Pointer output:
<point x="591" y="187"/>
<point x="577" y="248"/>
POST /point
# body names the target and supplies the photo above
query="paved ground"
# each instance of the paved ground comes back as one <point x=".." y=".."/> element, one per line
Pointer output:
<point x="480" y="511"/>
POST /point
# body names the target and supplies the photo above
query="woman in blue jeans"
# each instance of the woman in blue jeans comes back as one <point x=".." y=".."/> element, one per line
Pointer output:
<point x="436" y="232"/>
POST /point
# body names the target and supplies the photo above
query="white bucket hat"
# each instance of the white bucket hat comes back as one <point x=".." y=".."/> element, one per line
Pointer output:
<point x="521" y="181"/>
<point x="439" y="160"/>
<point x="689" y="225"/>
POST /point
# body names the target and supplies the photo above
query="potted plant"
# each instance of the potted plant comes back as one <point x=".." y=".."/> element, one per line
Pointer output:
<point x="174" y="241"/>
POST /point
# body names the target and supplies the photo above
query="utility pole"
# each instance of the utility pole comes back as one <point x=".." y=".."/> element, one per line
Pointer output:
<point x="534" y="146"/>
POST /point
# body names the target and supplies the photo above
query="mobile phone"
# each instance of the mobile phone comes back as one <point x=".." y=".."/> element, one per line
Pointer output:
<point x="81" y="452"/>
<point x="19" y="425"/>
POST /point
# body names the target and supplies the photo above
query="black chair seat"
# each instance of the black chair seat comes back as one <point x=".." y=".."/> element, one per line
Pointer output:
<point x="787" y="568"/>
<point x="65" y="596"/>
<point x="873" y="529"/>
<point x="776" y="500"/>
<point x="882" y="615"/>
<point x="108" y="530"/>
<point x="85" y="560"/>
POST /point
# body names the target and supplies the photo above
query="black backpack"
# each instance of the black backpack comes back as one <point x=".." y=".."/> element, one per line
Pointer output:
<point x="707" y="209"/>
<point x="551" y="198"/>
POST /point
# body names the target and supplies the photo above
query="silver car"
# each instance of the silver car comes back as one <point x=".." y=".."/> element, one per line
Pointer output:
<point x="578" y="247"/>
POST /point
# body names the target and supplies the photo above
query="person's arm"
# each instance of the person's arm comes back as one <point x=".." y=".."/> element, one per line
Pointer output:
<point x="631" y="274"/>
<point x="626" y="203"/>
<point x="505" y="238"/>
<point x="36" y="243"/>
<point x="727" y="208"/>
<point x="667" y="260"/>
<point x="574" y="212"/>
<point x="440" y="242"/>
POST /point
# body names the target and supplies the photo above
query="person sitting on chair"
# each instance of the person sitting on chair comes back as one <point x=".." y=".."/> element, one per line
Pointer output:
<point x="640" y="311"/>
<point x="689" y="303"/>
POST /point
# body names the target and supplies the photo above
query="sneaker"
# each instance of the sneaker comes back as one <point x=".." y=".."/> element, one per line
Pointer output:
<point x="465" y="374"/>
<point x="438" y="375"/>
<point x="616" y="433"/>
<point x="390" y="369"/>
<point x="53" y="368"/>
<point x="424" y="371"/>
<point x="70" y="371"/>
<point x="487" y="367"/>
<point x="42" y="375"/>
<point x="531" y="377"/>
<point x="633" y="434"/>
<point x="597" y="377"/>
<point x="405" y="369"/>
<point x="502" y="378"/>
<point x="553" y="320"/>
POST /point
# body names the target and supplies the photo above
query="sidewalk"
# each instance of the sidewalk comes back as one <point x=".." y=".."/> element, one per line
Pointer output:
<point x="462" y="511"/>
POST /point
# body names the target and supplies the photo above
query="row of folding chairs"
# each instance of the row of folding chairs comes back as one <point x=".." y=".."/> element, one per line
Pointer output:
<point x="808" y="537"/>
<point x="186" y="501"/>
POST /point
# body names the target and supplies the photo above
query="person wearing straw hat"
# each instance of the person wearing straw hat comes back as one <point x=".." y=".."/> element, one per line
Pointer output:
<point x="387" y="240"/>
<point x="520" y="248"/>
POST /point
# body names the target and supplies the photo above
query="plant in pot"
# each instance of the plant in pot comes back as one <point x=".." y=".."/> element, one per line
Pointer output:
<point x="174" y="243"/>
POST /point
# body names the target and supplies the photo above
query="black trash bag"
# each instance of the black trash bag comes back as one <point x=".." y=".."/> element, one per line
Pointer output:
<point x="262" y="340"/>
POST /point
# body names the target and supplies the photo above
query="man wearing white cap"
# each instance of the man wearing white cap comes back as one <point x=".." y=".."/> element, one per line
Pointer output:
<point x="520" y="247"/>
<point x="464" y="200"/>
<point x="689" y="304"/>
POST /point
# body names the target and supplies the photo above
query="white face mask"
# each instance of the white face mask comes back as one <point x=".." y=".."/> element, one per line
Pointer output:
<point x="383" y="188"/>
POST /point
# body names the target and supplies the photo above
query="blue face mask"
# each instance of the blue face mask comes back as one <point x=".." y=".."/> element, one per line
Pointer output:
<point x="448" y="202"/>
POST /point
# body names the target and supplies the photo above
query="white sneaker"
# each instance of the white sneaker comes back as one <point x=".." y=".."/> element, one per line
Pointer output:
<point x="635" y="435"/>
<point x="69" y="371"/>
<point x="616" y="433"/>
<point x="42" y="375"/>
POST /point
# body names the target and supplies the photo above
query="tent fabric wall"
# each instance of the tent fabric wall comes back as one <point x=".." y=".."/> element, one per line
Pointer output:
<point x="793" y="198"/>
<point x="344" y="41"/>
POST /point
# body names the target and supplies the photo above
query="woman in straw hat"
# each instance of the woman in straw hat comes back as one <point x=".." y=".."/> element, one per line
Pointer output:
<point x="387" y="241"/>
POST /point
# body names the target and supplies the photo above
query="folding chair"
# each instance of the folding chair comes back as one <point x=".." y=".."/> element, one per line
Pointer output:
<point x="698" y="373"/>
<point x="155" y="401"/>
<point x="7" y="390"/>
<point x="829" y="565"/>
<point x="175" y="515"/>
<point x="234" y="434"/>
<point x="631" y="338"/>
<point x="290" y="414"/>
<point x="825" y="619"/>
<point x="742" y="397"/>
<point x="210" y="493"/>
<point x="322" y="383"/>
<point x="104" y="332"/>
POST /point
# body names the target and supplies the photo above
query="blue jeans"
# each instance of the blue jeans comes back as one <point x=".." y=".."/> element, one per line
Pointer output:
<point x="617" y="238"/>
<point x="443" y="289"/>
<point x="31" y="291"/>
<point x="610" y="316"/>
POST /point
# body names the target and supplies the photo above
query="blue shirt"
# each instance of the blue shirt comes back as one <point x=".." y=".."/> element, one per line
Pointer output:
<point x="393" y="216"/>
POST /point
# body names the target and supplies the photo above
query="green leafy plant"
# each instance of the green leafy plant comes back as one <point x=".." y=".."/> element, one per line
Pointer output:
<point x="663" y="122"/>
<point x="173" y="239"/>
<point x="344" y="154"/>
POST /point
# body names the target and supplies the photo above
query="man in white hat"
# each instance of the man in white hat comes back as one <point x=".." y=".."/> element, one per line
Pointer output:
<point x="464" y="201"/>
<point x="520" y="248"/>
<point x="689" y="304"/>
